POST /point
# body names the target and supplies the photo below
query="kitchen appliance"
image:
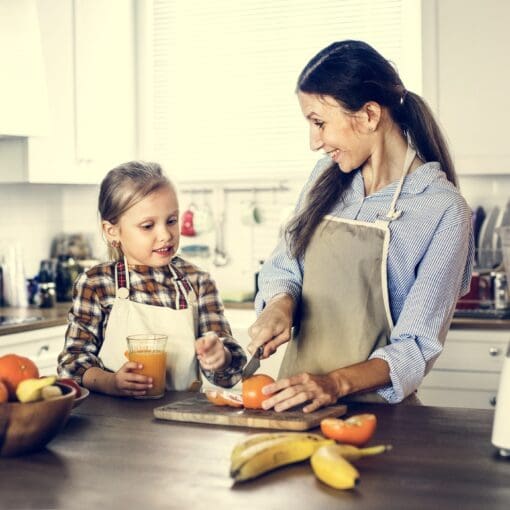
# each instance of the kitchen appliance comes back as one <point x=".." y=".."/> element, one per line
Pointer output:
<point x="501" y="426"/>
<point x="486" y="239"/>
<point x="198" y="409"/>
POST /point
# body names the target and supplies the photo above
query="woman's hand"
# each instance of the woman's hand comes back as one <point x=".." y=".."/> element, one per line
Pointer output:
<point x="130" y="384"/>
<point x="273" y="326"/>
<point x="211" y="353"/>
<point x="318" y="390"/>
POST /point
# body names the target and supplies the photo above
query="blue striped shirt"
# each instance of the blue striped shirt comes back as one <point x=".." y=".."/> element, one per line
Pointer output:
<point x="430" y="260"/>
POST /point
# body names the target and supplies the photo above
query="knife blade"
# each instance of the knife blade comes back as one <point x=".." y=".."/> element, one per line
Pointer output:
<point x="253" y="365"/>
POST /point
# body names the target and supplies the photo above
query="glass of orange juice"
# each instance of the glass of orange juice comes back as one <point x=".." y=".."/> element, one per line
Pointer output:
<point x="149" y="351"/>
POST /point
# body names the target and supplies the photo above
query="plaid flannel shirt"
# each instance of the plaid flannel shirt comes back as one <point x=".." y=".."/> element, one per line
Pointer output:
<point x="93" y="297"/>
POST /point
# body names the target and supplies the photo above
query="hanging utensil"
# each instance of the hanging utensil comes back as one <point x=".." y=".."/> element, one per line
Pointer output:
<point x="220" y="255"/>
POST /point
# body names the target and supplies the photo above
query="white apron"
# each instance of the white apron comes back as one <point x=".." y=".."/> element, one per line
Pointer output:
<point x="130" y="318"/>
<point x="345" y="309"/>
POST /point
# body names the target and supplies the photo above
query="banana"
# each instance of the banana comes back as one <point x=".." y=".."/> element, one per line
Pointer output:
<point x="350" y="452"/>
<point x="270" y="454"/>
<point x="332" y="468"/>
<point x="30" y="390"/>
<point x="254" y="439"/>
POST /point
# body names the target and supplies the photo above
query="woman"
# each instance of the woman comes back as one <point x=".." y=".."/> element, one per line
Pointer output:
<point x="380" y="247"/>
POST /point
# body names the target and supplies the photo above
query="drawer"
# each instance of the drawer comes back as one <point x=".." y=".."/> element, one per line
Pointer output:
<point x="457" y="398"/>
<point x="451" y="379"/>
<point x="42" y="346"/>
<point x="468" y="355"/>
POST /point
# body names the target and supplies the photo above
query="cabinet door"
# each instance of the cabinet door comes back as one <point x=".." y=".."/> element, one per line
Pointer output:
<point x="52" y="158"/>
<point x="467" y="82"/>
<point x="105" y="86"/>
<point x="42" y="346"/>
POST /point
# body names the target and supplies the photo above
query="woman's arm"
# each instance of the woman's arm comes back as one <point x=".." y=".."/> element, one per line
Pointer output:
<point x="323" y="390"/>
<point x="420" y="331"/>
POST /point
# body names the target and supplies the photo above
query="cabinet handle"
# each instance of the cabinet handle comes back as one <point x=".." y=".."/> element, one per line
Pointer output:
<point x="492" y="401"/>
<point x="494" y="351"/>
<point x="43" y="348"/>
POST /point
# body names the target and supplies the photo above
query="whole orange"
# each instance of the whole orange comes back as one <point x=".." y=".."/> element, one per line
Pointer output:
<point x="4" y="393"/>
<point x="252" y="390"/>
<point x="14" y="369"/>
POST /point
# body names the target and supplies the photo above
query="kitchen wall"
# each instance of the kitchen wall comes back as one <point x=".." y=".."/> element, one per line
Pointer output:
<point x="32" y="214"/>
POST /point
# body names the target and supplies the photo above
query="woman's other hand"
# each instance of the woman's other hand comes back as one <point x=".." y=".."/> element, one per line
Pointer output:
<point x="273" y="326"/>
<point x="318" y="390"/>
<point x="211" y="353"/>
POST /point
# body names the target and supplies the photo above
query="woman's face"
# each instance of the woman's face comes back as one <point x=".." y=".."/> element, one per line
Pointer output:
<point x="341" y="134"/>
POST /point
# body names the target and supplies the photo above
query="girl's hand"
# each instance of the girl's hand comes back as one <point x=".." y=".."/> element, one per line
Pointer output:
<point x="319" y="390"/>
<point x="130" y="384"/>
<point x="211" y="353"/>
<point x="273" y="326"/>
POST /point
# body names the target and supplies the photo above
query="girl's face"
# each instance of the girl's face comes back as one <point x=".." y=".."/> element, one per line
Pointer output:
<point x="148" y="232"/>
<point x="339" y="133"/>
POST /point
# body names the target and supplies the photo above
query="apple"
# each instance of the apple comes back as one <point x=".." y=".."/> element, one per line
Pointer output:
<point x="73" y="384"/>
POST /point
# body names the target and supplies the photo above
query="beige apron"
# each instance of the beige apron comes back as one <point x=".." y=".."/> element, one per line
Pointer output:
<point x="130" y="318"/>
<point x="345" y="310"/>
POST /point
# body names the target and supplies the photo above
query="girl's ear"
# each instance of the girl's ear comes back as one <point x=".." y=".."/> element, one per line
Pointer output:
<point x="110" y="231"/>
<point x="372" y="115"/>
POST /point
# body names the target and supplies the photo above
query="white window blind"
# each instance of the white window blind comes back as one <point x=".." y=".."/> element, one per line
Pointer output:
<point x="221" y="77"/>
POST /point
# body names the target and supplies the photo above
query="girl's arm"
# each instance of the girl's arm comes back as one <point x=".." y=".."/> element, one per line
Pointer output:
<point x="211" y="317"/>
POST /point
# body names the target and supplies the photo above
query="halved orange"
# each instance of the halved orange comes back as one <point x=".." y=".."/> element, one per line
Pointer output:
<point x="224" y="398"/>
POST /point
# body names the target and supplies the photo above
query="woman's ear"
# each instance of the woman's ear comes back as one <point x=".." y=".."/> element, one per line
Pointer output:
<point x="110" y="231"/>
<point x="372" y="115"/>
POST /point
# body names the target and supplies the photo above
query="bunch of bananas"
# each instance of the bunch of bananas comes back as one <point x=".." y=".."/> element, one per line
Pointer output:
<point x="260" y="453"/>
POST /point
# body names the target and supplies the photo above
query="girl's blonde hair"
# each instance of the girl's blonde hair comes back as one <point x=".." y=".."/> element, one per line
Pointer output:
<point x="123" y="187"/>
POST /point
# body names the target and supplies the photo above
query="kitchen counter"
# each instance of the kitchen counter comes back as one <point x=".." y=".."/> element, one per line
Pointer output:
<point x="114" y="454"/>
<point x="57" y="316"/>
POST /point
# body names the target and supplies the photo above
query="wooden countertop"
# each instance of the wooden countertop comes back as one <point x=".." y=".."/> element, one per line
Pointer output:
<point x="113" y="454"/>
<point x="57" y="316"/>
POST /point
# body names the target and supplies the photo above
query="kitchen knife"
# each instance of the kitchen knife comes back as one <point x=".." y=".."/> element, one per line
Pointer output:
<point x="253" y="365"/>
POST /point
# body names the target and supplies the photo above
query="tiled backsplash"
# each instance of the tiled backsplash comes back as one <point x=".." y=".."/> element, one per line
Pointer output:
<point x="32" y="215"/>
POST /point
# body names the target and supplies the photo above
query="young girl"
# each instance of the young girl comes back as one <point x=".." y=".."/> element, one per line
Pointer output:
<point x="146" y="288"/>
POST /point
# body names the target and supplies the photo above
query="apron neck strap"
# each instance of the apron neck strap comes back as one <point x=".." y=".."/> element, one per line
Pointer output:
<point x="393" y="214"/>
<point x="180" y="291"/>
<point x="122" y="282"/>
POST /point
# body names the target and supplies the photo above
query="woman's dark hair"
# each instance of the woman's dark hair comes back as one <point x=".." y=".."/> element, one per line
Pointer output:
<point x="354" y="73"/>
<point x="123" y="187"/>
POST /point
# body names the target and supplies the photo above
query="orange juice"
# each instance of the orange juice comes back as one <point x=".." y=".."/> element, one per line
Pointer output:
<point x="154" y="365"/>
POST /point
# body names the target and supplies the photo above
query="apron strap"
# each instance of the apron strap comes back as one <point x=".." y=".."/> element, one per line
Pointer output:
<point x="122" y="280"/>
<point x="392" y="213"/>
<point x="122" y="284"/>
<point x="180" y="291"/>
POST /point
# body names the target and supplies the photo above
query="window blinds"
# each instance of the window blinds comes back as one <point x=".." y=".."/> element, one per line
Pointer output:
<point x="223" y="74"/>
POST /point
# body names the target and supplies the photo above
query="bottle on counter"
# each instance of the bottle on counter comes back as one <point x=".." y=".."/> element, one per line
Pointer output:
<point x="46" y="295"/>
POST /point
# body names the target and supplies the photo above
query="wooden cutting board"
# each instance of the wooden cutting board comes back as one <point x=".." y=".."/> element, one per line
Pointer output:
<point x="198" y="409"/>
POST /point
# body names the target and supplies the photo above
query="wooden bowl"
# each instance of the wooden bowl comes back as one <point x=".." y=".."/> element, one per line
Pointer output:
<point x="29" y="427"/>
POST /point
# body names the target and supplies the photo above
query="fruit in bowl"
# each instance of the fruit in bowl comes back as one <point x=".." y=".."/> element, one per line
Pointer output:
<point x="33" y="409"/>
<point x="27" y="427"/>
<point x="14" y="369"/>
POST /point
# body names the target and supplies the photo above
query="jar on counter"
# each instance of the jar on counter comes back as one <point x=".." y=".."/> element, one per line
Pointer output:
<point x="46" y="296"/>
<point x="500" y="290"/>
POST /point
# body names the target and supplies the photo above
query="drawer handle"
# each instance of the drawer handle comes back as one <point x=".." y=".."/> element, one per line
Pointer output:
<point x="494" y="351"/>
<point x="492" y="401"/>
<point x="44" y="348"/>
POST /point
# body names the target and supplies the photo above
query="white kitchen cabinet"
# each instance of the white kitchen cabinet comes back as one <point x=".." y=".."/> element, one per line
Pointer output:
<point x="88" y="52"/>
<point x="465" y="43"/>
<point x="42" y="346"/>
<point x="104" y="85"/>
<point x="467" y="372"/>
